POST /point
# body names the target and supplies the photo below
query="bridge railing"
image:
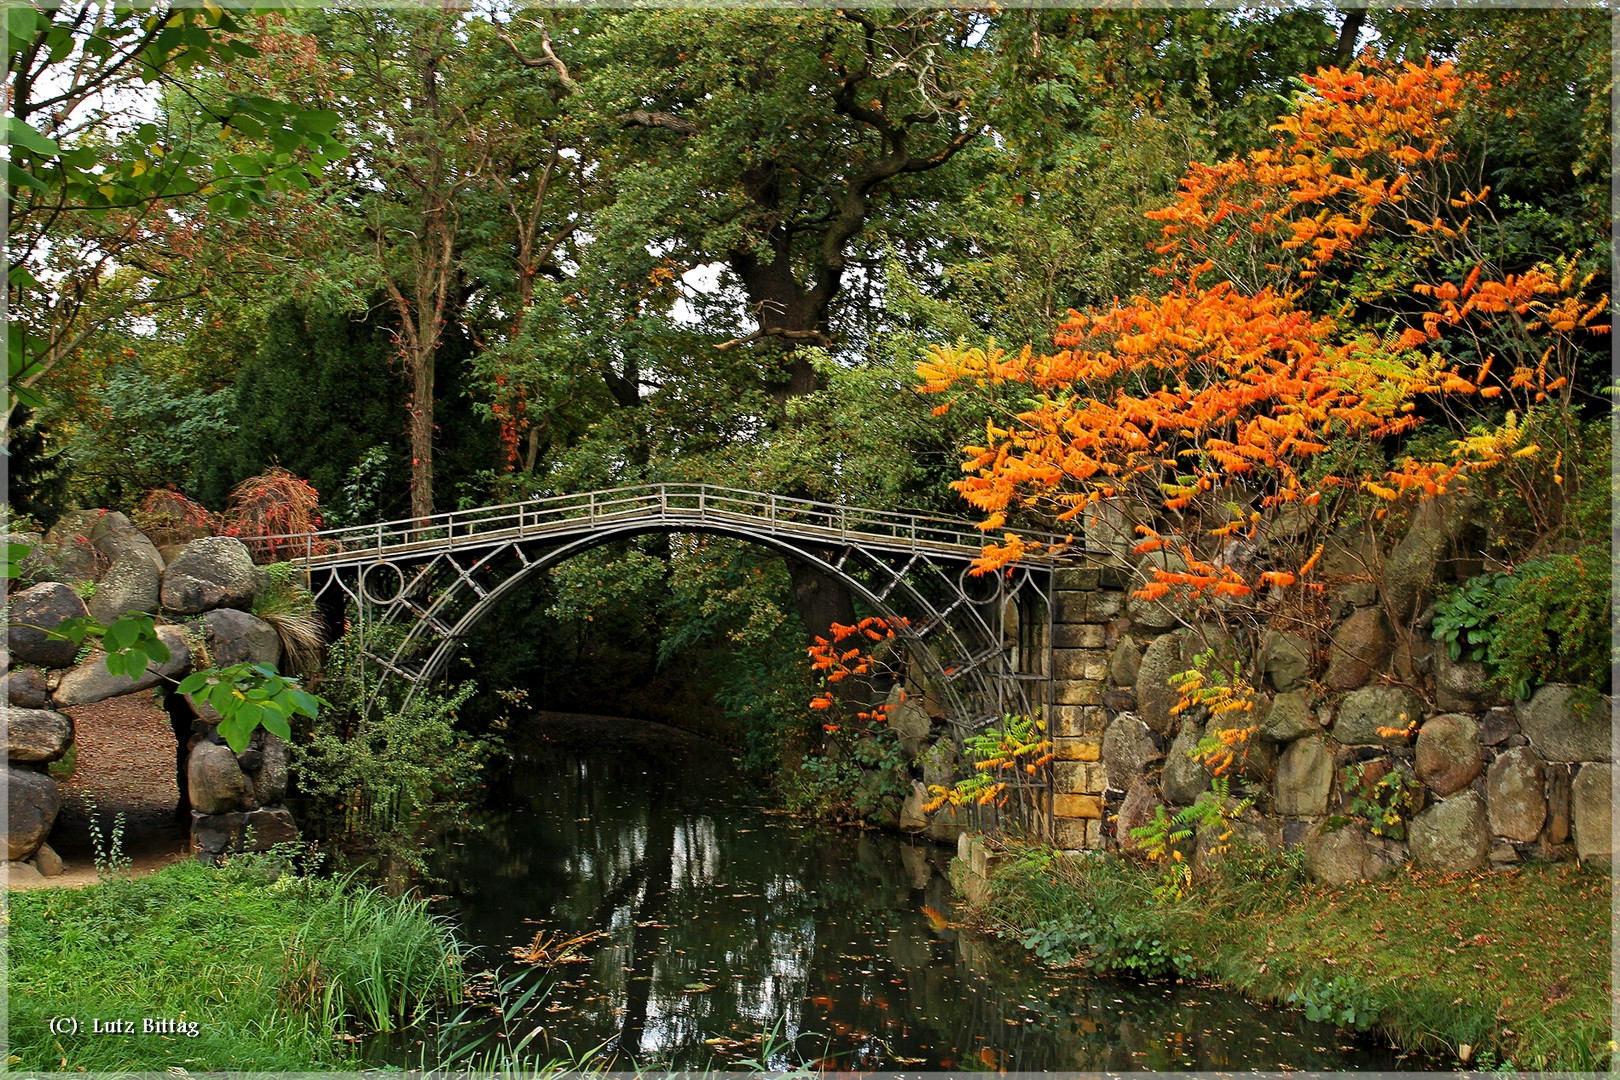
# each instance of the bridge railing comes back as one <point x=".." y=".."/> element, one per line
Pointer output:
<point x="674" y="503"/>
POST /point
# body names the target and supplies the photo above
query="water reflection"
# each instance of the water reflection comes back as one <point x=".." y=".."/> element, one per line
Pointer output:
<point x="726" y="924"/>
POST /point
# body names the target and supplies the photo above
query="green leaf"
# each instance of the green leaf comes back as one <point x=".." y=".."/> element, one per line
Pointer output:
<point x="193" y="682"/>
<point x="235" y="734"/>
<point x="223" y="698"/>
<point x="17" y="176"/>
<point x="21" y="134"/>
<point x="276" y="724"/>
<point x="120" y="635"/>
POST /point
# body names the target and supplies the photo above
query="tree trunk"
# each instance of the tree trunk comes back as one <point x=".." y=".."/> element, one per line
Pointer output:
<point x="421" y="429"/>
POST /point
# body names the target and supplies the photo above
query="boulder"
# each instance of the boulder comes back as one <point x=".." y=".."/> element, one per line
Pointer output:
<point x="26" y="688"/>
<point x="1348" y="598"/>
<point x="1304" y="778"/>
<point x="1363" y="712"/>
<point x="1437" y="523"/>
<point x="213" y="835"/>
<point x="1136" y="811"/>
<point x="212" y="572"/>
<point x="912" y="817"/>
<point x="1498" y="726"/>
<point x="1124" y="663"/>
<point x="1591" y="804"/>
<point x="37" y="735"/>
<point x="116" y="538"/>
<point x="1183" y="779"/>
<point x="215" y="780"/>
<point x="1348" y="555"/>
<point x="1515" y="800"/>
<point x="1358" y="650"/>
<point x="73" y="525"/>
<point x="33" y="802"/>
<point x="66" y="554"/>
<point x="130" y="584"/>
<point x="1110" y="525"/>
<point x="1344" y="856"/>
<point x="1156" y="695"/>
<point x="938" y="763"/>
<point x="907" y="718"/>
<point x="1249" y="829"/>
<point x="235" y="637"/>
<point x="1160" y="614"/>
<point x="1461" y="685"/>
<point x="1286" y="660"/>
<point x="18" y="873"/>
<point x="1565" y="725"/>
<point x="1448" y="753"/>
<point x="91" y="681"/>
<point x="1453" y="834"/>
<point x="1127" y="749"/>
<point x="48" y="862"/>
<point x="1288" y="718"/>
<point x="35" y="611"/>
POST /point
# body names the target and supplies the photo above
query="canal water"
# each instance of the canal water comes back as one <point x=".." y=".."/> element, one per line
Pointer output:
<point x="716" y="932"/>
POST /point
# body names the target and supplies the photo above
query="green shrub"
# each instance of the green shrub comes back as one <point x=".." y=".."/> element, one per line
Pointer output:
<point x="1465" y="615"/>
<point x="1547" y="621"/>
<point x="379" y="776"/>
<point x="1555" y="624"/>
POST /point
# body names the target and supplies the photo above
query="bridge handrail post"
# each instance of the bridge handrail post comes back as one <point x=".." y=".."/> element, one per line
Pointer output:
<point x="773" y="512"/>
<point x="590" y="506"/>
<point x="843" y="525"/>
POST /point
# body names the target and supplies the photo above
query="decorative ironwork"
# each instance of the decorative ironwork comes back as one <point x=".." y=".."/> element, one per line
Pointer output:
<point x="433" y="580"/>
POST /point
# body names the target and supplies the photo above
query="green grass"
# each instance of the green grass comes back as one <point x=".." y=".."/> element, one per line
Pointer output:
<point x="1514" y="964"/>
<point x="274" y="971"/>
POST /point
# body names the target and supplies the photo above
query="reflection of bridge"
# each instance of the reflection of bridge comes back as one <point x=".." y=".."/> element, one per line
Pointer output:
<point x="421" y="586"/>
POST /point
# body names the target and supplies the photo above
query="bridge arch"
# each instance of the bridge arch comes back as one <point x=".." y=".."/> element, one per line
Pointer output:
<point x="442" y="577"/>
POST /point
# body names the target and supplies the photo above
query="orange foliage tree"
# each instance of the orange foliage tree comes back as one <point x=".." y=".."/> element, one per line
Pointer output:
<point x="845" y="655"/>
<point x="1321" y="296"/>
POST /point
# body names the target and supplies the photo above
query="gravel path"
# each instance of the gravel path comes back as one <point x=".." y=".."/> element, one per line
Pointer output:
<point x="126" y="764"/>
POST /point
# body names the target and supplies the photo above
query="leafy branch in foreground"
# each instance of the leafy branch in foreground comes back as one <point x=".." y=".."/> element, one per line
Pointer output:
<point x="248" y="695"/>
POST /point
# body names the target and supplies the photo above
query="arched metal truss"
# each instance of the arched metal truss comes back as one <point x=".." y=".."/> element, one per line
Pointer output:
<point x="420" y="587"/>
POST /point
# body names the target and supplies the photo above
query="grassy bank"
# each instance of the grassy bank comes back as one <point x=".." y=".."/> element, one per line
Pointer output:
<point x="1514" y="965"/>
<point x="276" y="972"/>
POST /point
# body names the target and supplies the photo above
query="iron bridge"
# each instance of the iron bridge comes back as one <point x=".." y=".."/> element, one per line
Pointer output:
<point x="418" y="587"/>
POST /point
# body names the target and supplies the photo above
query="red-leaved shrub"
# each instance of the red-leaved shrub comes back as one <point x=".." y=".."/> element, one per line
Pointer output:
<point x="168" y="517"/>
<point x="270" y="512"/>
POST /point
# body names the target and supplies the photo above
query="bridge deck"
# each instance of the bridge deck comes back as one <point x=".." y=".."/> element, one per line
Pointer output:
<point x="655" y="506"/>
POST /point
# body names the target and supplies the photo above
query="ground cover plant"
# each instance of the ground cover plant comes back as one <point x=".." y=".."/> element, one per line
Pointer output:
<point x="1479" y="967"/>
<point x="278" y="972"/>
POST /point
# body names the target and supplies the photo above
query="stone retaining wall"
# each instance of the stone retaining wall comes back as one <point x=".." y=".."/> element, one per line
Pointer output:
<point x="1495" y="782"/>
<point x="95" y="562"/>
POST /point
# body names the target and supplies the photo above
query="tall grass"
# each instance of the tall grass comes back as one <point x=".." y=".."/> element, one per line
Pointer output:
<point x="382" y="960"/>
<point x="279" y="971"/>
<point x="290" y="610"/>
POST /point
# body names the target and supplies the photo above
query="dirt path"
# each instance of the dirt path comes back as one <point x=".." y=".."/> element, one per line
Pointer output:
<point x="125" y="765"/>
